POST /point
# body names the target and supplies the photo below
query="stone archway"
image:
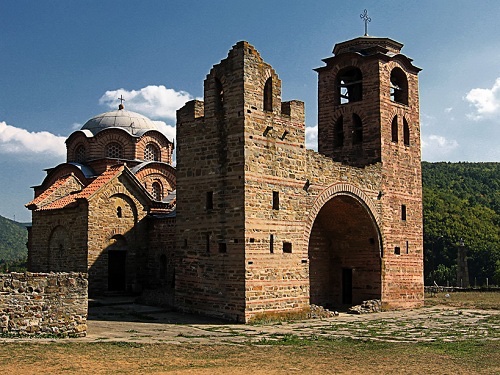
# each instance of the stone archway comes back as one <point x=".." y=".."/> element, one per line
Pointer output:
<point x="344" y="248"/>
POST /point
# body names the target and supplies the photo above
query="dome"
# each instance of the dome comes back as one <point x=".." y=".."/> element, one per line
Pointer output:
<point x="134" y="123"/>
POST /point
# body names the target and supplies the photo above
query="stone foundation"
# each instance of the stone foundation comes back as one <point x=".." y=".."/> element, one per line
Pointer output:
<point x="43" y="304"/>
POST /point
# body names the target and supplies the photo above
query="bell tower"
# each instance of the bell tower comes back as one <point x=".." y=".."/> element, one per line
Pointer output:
<point x="368" y="103"/>
<point x="368" y="114"/>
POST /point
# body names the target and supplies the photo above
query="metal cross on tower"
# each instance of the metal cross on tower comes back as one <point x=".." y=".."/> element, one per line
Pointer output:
<point x="121" y="99"/>
<point x="364" y="17"/>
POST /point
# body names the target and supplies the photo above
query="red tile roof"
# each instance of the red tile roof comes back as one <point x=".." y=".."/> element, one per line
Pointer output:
<point x="88" y="191"/>
<point x="61" y="181"/>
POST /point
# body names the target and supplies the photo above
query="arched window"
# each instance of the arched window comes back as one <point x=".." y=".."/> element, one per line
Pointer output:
<point x="394" y="129"/>
<point x="123" y="207"/>
<point x="151" y="152"/>
<point x="399" y="86"/>
<point x="406" y="132"/>
<point x="349" y="85"/>
<point x="114" y="150"/>
<point x="357" y="133"/>
<point x="156" y="191"/>
<point x="80" y="154"/>
<point x="338" y="132"/>
<point x="268" y="95"/>
<point x="219" y="96"/>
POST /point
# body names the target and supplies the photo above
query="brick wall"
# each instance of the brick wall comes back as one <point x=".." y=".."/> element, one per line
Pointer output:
<point x="43" y="304"/>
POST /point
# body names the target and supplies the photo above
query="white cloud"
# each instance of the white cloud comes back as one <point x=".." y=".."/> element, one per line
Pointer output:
<point x="157" y="102"/>
<point x="167" y="130"/>
<point x="312" y="137"/>
<point x="427" y="120"/>
<point x="437" y="147"/>
<point x="486" y="102"/>
<point x="27" y="144"/>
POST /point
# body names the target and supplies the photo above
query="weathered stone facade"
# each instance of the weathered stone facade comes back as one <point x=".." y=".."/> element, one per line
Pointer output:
<point x="53" y="304"/>
<point x="250" y="222"/>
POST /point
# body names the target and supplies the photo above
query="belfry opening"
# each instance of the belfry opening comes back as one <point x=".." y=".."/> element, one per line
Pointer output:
<point x="344" y="254"/>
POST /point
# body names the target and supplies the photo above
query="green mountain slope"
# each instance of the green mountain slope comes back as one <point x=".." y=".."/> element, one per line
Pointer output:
<point x="461" y="201"/>
<point x="13" y="238"/>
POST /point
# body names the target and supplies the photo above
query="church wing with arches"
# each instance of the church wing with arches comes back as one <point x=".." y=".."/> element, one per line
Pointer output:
<point x="249" y="222"/>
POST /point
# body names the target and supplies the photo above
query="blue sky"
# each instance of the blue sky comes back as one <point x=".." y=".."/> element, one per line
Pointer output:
<point x="63" y="62"/>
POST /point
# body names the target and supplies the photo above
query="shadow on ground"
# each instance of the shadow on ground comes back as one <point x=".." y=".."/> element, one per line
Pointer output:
<point x="125" y="309"/>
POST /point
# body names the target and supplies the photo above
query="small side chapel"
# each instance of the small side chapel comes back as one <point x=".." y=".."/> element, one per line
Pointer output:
<point x="93" y="213"/>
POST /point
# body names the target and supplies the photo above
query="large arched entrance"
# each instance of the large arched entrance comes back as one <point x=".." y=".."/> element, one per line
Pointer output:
<point x="344" y="253"/>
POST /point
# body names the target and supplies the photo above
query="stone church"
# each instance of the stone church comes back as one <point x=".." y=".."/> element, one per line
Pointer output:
<point x="249" y="222"/>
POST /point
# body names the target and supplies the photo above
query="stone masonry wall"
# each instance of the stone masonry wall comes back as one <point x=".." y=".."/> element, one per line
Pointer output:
<point x="277" y="238"/>
<point x="210" y="204"/>
<point x="276" y="277"/>
<point x="159" y="278"/>
<point x="109" y="231"/>
<point x="401" y="188"/>
<point x="402" y="185"/>
<point x="43" y="304"/>
<point x="276" y="280"/>
<point x="61" y="240"/>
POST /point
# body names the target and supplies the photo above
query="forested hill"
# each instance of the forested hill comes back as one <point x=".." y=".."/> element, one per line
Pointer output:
<point x="461" y="201"/>
<point x="13" y="238"/>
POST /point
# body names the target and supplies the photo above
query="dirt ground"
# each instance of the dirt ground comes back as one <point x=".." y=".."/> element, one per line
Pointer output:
<point x="124" y="337"/>
<point x="338" y="358"/>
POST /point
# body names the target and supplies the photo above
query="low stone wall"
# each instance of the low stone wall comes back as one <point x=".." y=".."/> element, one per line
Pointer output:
<point x="43" y="304"/>
<point x="432" y="289"/>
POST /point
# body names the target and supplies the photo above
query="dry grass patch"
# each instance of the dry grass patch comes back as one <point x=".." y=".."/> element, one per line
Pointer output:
<point x="289" y="356"/>
<point x="470" y="300"/>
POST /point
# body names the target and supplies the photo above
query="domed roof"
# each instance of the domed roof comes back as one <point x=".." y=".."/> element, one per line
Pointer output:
<point x="132" y="122"/>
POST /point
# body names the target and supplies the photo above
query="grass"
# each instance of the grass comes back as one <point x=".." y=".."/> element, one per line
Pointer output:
<point x="471" y="300"/>
<point x="286" y="354"/>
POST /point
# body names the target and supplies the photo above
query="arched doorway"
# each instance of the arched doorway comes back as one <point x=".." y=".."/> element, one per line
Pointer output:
<point x="344" y="253"/>
<point x="117" y="264"/>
